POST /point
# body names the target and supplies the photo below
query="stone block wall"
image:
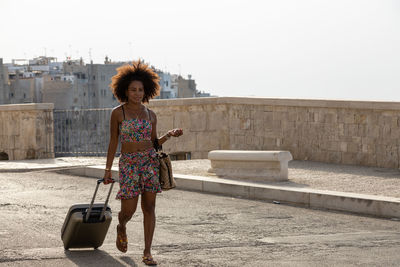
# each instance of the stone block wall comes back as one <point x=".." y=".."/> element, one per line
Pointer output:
<point x="347" y="132"/>
<point x="205" y="125"/>
<point x="26" y="131"/>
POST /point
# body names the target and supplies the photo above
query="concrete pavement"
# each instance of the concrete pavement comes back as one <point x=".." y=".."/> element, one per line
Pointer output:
<point x="302" y="174"/>
<point x="303" y="187"/>
<point x="367" y="190"/>
<point x="193" y="229"/>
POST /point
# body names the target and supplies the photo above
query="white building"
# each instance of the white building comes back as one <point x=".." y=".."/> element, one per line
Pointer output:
<point x="167" y="90"/>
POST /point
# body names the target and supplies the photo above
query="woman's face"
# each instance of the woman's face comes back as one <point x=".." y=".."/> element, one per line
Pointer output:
<point x="135" y="92"/>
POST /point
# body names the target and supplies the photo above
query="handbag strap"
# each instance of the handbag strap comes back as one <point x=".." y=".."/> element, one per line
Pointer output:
<point x="149" y="115"/>
<point x="156" y="144"/>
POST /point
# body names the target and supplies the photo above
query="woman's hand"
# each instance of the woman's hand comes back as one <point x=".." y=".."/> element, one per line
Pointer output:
<point x="107" y="177"/>
<point x="175" y="132"/>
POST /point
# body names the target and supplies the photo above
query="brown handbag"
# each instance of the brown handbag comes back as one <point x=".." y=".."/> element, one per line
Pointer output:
<point x="167" y="180"/>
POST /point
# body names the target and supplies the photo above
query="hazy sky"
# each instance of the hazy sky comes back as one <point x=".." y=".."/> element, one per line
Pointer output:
<point x="341" y="49"/>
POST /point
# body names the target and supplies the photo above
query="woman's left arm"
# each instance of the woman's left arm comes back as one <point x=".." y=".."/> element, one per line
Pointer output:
<point x="165" y="137"/>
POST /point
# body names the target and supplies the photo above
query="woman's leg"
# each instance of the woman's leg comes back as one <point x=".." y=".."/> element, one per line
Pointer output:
<point x="148" y="204"/>
<point x="128" y="208"/>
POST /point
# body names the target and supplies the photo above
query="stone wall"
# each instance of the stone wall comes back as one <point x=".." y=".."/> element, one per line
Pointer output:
<point x="348" y="132"/>
<point x="26" y="131"/>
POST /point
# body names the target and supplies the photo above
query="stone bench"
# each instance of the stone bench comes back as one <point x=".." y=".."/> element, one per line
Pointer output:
<point x="257" y="165"/>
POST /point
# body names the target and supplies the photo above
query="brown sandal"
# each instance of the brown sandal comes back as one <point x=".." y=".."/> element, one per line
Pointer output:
<point x="148" y="260"/>
<point x="122" y="241"/>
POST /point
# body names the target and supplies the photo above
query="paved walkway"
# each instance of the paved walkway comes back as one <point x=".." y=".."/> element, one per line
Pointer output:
<point x="302" y="174"/>
<point x="193" y="229"/>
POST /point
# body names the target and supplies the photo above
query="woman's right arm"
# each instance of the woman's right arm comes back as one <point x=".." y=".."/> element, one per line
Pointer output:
<point x="112" y="145"/>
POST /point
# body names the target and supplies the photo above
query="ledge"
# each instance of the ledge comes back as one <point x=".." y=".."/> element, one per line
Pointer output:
<point x="318" y="103"/>
<point x="30" y="106"/>
<point x="380" y="206"/>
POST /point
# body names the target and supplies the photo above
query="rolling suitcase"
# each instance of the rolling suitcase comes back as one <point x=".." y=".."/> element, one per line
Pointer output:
<point x="86" y="225"/>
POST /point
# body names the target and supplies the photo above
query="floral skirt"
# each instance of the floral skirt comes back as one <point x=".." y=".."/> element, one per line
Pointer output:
<point x="138" y="173"/>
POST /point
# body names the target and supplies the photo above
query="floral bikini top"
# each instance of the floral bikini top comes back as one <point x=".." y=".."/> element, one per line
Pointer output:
<point x="135" y="130"/>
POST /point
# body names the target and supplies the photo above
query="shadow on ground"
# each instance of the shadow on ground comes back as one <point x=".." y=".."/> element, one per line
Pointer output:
<point x="97" y="258"/>
<point x="275" y="183"/>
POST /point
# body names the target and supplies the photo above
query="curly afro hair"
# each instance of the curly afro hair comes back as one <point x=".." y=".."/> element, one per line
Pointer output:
<point x="138" y="71"/>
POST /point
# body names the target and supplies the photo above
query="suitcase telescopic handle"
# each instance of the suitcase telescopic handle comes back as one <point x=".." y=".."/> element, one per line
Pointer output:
<point x="99" y="181"/>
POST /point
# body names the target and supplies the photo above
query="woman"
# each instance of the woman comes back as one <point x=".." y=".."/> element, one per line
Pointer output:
<point x="136" y="126"/>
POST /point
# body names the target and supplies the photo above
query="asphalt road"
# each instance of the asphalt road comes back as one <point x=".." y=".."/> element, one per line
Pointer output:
<point x="193" y="229"/>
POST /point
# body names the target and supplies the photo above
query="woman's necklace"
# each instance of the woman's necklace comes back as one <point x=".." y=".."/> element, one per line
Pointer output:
<point x="136" y="111"/>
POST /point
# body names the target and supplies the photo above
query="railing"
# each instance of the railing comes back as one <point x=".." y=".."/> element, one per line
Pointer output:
<point x="83" y="132"/>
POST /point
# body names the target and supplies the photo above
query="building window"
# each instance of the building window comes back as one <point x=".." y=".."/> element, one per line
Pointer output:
<point x="12" y="95"/>
<point x="24" y="95"/>
<point x="84" y="94"/>
<point x="94" y="77"/>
